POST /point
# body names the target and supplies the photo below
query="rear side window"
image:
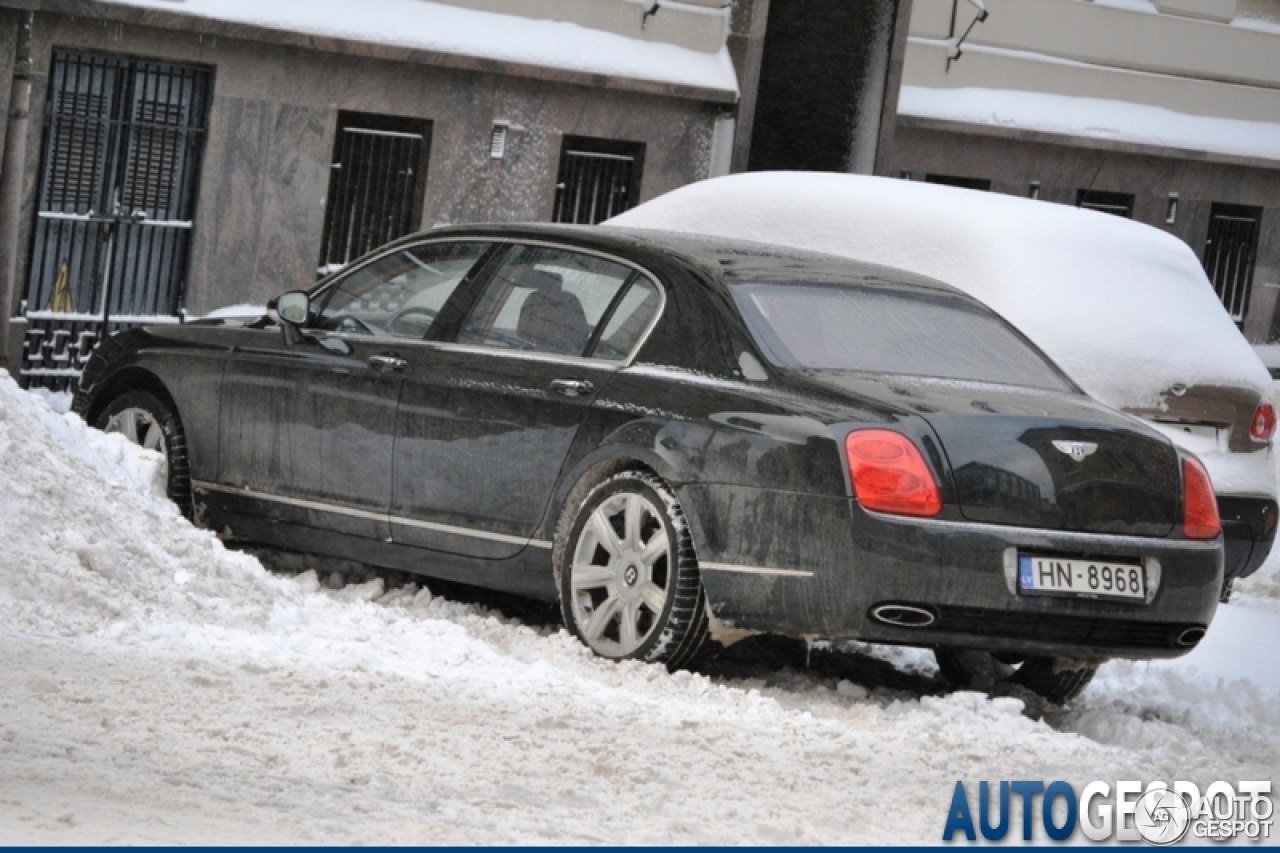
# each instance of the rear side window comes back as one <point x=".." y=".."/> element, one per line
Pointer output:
<point x="889" y="330"/>
<point x="552" y="300"/>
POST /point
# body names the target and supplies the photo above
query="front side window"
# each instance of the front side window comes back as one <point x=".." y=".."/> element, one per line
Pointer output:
<point x="553" y="300"/>
<point x="399" y="294"/>
<point x="888" y="329"/>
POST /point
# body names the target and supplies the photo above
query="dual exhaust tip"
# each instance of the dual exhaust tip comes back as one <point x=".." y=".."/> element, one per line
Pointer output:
<point x="912" y="616"/>
<point x="1189" y="637"/>
<point x="903" y="615"/>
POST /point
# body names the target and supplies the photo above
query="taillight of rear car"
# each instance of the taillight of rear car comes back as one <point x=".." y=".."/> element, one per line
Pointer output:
<point x="1263" y="425"/>
<point x="890" y="475"/>
<point x="1199" y="506"/>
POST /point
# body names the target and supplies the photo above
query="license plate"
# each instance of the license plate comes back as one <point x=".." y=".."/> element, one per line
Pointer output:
<point x="1085" y="578"/>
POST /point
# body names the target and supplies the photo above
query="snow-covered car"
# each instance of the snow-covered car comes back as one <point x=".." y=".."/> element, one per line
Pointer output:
<point x="1123" y="308"/>
<point x="680" y="438"/>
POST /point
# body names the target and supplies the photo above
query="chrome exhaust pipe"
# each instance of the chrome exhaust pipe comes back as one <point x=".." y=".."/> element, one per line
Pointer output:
<point x="903" y="615"/>
<point x="1190" y="636"/>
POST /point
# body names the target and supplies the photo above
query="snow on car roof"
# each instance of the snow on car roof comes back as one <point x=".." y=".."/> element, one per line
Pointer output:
<point x="1124" y="308"/>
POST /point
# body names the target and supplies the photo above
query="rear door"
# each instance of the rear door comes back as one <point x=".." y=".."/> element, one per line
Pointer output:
<point x="487" y="419"/>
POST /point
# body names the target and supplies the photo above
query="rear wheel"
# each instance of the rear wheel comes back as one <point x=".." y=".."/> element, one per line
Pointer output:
<point x="629" y="581"/>
<point x="973" y="669"/>
<point x="149" y="421"/>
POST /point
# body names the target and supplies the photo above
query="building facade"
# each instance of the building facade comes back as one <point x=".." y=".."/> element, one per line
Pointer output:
<point x="1165" y="111"/>
<point x="180" y="159"/>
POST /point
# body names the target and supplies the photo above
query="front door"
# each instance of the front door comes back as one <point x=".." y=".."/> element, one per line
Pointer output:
<point x="308" y="428"/>
<point x="486" y="422"/>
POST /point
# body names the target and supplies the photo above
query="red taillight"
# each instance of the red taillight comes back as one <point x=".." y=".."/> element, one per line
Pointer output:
<point x="890" y="475"/>
<point x="1263" y="425"/>
<point x="1199" y="506"/>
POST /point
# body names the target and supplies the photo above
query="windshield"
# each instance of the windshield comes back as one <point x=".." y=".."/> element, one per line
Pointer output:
<point x="883" y="329"/>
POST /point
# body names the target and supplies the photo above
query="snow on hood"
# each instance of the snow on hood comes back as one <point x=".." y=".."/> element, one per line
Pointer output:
<point x="1123" y="308"/>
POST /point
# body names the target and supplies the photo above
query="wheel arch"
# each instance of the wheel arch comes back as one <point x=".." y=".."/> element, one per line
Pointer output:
<point x="131" y="378"/>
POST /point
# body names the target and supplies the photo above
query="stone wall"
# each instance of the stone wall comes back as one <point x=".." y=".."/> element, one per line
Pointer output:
<point x="267" y="161"/>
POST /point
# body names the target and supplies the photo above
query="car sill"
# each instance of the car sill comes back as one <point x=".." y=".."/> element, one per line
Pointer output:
<point x="374" y="516"/>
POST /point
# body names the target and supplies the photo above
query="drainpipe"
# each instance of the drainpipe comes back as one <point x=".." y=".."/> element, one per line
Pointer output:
<point x="12" y="171"/>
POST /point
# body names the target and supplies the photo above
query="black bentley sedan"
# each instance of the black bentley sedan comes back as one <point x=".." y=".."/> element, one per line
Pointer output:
<point x="683" y="438"/>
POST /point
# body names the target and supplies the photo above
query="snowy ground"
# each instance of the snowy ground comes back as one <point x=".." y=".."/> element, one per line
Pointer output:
<point x="159" y="688"/>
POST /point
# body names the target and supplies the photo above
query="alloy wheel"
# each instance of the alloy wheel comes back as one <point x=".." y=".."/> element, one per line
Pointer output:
<point x="620" y="575"/>
<point x="140" y="427"/>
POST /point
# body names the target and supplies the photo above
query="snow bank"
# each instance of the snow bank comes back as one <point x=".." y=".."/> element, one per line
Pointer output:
<point x="89" y="538"/>
<point x="1094" y="118"/>
<point x="423" y="25"/>
<point x="159" y="688"/>
<point x="1123" y="308"/>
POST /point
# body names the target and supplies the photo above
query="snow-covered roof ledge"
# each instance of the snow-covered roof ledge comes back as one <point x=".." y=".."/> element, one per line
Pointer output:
<point x="678" y="50"/>
<point x="1091" y="122"/>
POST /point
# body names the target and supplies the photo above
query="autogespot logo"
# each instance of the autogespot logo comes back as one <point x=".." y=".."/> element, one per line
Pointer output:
<point x="1162" y="816"/>
<point x="1157" y="813"/>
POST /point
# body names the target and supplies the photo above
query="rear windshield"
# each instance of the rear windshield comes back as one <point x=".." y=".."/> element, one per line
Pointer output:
<point x="887" y="330"/>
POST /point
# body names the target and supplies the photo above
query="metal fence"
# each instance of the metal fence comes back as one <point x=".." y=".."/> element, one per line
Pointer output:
<point x="376" y="187"/>
<point x="120" y="169"/>
<point x="1229" y="255"/>
<point x="598" y="179"/>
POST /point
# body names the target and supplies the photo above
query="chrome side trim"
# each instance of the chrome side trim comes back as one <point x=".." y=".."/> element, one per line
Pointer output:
<point x="468" y="531"/>
<point x="1032" y="536"/>
<point x="372" y="516"/>
<point x="754" y="570"/>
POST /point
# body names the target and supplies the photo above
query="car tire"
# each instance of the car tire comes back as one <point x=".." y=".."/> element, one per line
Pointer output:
<point x="628" y="576"/>
<point x="145" y="419"/>
<point x="973" y="669"/>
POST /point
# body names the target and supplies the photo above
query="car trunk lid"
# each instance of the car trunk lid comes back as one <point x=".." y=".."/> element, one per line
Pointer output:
<point x="1031" y="458"/>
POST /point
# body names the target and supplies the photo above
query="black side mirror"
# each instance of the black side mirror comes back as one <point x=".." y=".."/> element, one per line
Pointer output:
<point x="293" y="308"/>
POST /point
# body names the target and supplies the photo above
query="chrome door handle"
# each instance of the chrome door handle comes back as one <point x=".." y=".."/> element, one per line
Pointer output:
<point x="573" y="387"/>
<point x="387" y="362"/>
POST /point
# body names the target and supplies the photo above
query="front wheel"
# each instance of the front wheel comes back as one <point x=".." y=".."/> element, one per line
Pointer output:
<point x="973" y="669"/>
<point x="149" y="421"/>
<point x="629" y="581"/>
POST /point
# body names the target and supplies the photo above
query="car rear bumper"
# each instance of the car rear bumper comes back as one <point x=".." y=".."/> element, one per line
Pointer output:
<point x="814" y="566"/>
<point x="1248" y="532"/>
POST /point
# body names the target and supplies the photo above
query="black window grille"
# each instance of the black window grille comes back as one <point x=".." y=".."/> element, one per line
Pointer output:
<point x="956" y="181"/>
<point x="1230" y="253"/>
<point x="119" y="175"/>
<point x="599" y="178"/>
<point x="1117" y="204"/>
<point x="376" y="187"/>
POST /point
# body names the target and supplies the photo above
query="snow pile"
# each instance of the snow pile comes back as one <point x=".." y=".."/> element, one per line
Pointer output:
<point x="423" y="25"/>
<point x="1123" y="308"/>
<point x="1094" y="118"/>
<point x="89" y="537"/>
<point x="159" y="688"/>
